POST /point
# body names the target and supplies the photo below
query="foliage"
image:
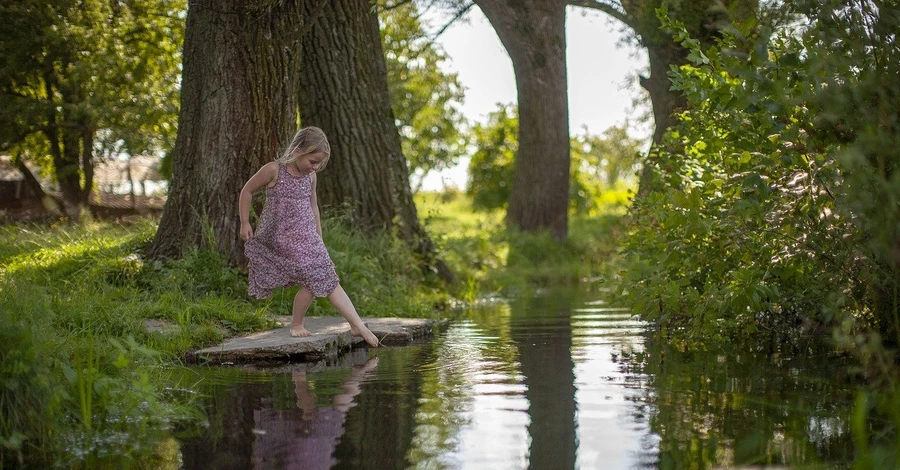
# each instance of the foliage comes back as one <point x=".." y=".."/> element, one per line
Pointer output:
<point x="770" y="211"/>
<point x="491" y="167"/>
<point x="599" y="163"/>
<point x="425" y="98"/>
<point x="80" y="77"/>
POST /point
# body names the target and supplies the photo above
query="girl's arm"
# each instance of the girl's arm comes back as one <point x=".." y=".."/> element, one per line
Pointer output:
<point x="263" y="177"/>
<point x="315" y="204"/>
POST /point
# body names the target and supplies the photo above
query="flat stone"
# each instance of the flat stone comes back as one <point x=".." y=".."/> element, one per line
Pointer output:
<point x="330" y="337"/>
<point x="156" y="325"/>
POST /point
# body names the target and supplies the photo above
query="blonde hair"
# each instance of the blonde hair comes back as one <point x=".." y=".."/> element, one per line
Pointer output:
<point x="307" y="140"/>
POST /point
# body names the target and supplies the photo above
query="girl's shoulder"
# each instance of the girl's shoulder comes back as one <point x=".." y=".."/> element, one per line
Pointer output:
<point x="270" y="171"/>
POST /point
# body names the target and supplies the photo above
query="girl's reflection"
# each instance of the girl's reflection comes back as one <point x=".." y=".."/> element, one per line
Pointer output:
<point x="306" y="438"/>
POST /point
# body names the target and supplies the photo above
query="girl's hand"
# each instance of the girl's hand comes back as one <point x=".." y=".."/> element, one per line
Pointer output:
<point x="246" y="231"/>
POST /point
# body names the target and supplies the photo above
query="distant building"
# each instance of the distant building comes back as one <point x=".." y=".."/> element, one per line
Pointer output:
<point x="13" y="188"/>
<point x="125" y="176"/>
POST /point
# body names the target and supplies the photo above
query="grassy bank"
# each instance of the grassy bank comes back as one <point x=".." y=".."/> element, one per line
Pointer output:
<point x="84" y="382"/>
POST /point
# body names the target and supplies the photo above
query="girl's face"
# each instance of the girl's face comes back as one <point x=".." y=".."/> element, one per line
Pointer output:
<point x="310" y="162"/>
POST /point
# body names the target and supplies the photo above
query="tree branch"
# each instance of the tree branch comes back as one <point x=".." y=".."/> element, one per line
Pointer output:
<point x="50" y="204"/>
<point x="605" y="8"/>
<point x="398" y="4"/>
<point x="457" y="16"/>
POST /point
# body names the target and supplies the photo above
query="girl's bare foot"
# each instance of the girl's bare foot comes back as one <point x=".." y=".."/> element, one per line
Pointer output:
<point x="366" y="334"/>
<point x="299" y="331"/>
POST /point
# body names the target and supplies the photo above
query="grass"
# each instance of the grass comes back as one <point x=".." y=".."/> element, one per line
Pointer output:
<point x="490" y="259"/>
<point x="85" y="384"/>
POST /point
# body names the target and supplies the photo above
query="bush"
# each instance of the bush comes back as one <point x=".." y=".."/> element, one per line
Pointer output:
<point x="774" y="204"/>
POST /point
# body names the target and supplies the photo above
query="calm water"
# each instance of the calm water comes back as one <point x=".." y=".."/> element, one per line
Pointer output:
<point x="558" y="381"/>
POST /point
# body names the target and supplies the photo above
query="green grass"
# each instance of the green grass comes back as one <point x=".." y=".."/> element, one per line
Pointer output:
<point x="489" y="259"/>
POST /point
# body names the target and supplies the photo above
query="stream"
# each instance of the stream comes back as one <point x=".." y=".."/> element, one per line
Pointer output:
<point x="557" y="381"/>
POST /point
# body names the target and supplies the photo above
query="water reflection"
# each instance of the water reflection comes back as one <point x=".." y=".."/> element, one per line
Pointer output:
<point x="747" y="406"/>
<point x="542" y="332"/>
<point x="306" y="437"/>
<point x="555" y="381"/>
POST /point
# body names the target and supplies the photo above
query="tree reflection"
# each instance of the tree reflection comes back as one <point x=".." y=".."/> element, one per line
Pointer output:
<point x="541" y="330"/>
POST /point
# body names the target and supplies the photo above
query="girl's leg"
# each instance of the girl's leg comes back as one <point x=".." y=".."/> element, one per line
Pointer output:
<point x="301" y="305"/>
<point x="342" y="303"/>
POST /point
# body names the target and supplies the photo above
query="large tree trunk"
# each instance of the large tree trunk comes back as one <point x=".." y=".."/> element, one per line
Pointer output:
<point x="665" y="102"/>
<point x="344" y="90"/>
<point x="65" y="145"/>
<point x="238" y="107"/>
<point x="535" y="38"/>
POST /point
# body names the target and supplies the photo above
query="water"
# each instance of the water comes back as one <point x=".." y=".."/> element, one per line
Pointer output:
<point x="557" y="381"/>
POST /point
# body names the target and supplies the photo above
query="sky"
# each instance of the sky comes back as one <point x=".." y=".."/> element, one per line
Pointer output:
<point x="601" y="71"/>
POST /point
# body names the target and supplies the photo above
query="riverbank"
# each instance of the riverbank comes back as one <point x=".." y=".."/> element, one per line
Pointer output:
<point x="84" y="381"/>
<point x="80" y="367"/>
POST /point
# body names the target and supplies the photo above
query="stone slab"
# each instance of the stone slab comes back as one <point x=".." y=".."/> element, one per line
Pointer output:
<point x="330" y="337"/>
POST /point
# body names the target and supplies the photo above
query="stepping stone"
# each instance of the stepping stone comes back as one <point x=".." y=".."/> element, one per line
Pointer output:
<point x="330" y="337"/>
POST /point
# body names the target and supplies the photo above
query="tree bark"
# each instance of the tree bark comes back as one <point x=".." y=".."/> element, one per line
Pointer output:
<point x="87" y="160"/>
<point x="535" y="38"/>
<point x="238" y="107"/>
<point x="344" y="90"/>
<point x="65" y="145"/>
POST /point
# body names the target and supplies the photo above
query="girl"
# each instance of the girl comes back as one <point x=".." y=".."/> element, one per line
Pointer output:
<point x="287" y="248"/>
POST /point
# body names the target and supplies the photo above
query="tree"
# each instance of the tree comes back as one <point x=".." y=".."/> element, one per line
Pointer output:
<point x="704" y="20"/>
<point x="344" y="90"/>
<point x="425" y="99"/>
<point x="492" y="165"/>
<point x="238" y="107"/>
<point x="610" y="158"/>
<point x="781" y="165"/>
<point x="598" y="163"/>
<point x="78" y="75"/>
<point x="534" y="36"/>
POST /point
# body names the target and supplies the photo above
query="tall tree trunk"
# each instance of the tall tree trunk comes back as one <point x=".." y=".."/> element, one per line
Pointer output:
<point x="535" y="38"/>
<point x="665" y="102"/>
<point x="87" y="159"/>
<point x="238" y="107"/>
<point x="344" y="90"/>
<point x="704" y="21"/>
<point x="65" y="146"/>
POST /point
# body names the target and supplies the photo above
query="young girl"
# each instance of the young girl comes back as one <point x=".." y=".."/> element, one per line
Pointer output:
<point x="287" y="248"/>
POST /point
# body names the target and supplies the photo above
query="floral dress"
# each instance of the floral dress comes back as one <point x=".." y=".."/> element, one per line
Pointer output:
<point x="286" y="249"/>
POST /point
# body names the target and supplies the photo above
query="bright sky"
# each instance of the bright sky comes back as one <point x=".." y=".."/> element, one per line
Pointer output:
<point x="602" y="75"/>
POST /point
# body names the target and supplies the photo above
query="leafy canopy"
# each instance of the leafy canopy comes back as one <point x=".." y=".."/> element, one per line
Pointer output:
<point x="110" y="68"/>
<point x="425" y="97"/>
<point x="598" y="163"/>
